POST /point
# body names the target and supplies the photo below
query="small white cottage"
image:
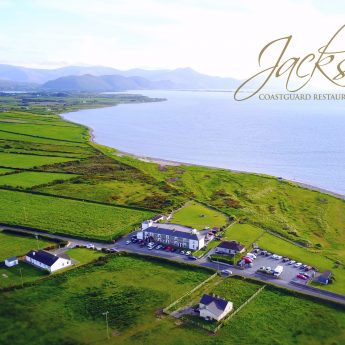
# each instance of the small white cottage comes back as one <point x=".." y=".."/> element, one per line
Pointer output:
<point x="13" y="261"/>
<point x="48" y="261"/>
<point x="214" y="308"/>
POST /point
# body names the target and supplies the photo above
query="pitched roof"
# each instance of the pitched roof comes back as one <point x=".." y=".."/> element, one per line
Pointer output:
<point x="217" y="302"/>
<point x="155" y="218"/>
<point x="233" y="245"/>
<point x="176" y="230"/>
<point x="45" y="258"/>
<point x="325" y="276"/>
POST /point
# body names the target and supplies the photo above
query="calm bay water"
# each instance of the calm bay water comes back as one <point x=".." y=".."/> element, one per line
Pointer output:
<point x="302" y="141"/>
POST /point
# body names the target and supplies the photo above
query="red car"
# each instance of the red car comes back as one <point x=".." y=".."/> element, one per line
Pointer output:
<point x="301" y="276"/>
<point x="247" y="260"/>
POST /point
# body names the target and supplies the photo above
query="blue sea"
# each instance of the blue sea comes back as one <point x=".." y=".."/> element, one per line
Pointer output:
<point x="302" y="141"/>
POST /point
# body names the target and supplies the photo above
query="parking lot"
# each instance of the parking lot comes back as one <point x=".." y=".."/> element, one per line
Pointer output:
<point x="289" y="273"/>
<point x="127" y="244"/>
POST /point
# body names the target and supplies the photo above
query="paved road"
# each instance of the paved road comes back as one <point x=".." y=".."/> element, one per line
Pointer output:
<point x="203" y="262"/>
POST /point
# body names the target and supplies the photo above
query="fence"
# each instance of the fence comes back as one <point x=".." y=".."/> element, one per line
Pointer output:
<point x="238" y="309"/>
<point x="166" y="310"/>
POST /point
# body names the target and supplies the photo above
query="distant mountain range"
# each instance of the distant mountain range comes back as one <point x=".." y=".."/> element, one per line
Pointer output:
<point x="98" y="78"/>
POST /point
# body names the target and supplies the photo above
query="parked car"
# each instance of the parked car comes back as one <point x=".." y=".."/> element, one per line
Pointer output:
<point x="256" y="251"/>
<point x="268" y="254"/>
<point x="291" y="262"/>
<point x="279" y="257"/>
<point x="188" y="252"/>
<point x="262" y="268"/>
<point x="268" y="269"/>
<point x="192" y="257"/>
<point x="182" y="252"/>
<point x="286" y="259"/>
<point x="90" y="246"/>
<point x="308" y="268"/>
<point x="298" y="264"/>
<point x="247" y="260"/>
<point x="274" y="256"/>
<point x="264" y="252"/>
<point x="128" y="242"/>
<point x="226" y="272"/>
<point x="303" y="267"/>
<point x="251" y="255"/>
<point x="301" y="276"/>
<point x="159" y="246"/>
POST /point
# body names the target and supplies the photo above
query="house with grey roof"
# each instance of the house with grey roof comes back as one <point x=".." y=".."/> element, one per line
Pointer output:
<point x="230" y="247"/>
<point x="48" y="261"/>
<point x="214" y="308"/>
<point x="173" y="234"/>
<point x="12" y="261"/>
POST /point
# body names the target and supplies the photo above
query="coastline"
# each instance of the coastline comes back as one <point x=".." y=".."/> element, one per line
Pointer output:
<point x="166" y="162"/>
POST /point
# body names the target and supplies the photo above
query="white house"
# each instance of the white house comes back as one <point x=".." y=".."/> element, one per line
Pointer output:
<point x="214" y="308"/>
<point x="173" y="234"/>
<point x="230" y="247"/>
<point x="13" y="261"/>
<point x="48" y="261"/>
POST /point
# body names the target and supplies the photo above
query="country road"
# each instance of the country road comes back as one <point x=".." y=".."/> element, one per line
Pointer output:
<point x="203" y="262"/>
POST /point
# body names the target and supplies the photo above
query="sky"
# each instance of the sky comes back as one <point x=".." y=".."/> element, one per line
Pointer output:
<point x="217" y="37"/>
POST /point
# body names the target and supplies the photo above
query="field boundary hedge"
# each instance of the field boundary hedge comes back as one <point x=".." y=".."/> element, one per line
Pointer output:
<point x="30" y="191"/>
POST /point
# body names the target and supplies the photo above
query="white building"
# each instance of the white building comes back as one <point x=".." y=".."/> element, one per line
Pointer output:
<point x="13" y="261"/>
<point x="214" y="308"/>
<point x="48" y="261"/>
<point x="173" y="234"/>
<point x="230" y="247"/>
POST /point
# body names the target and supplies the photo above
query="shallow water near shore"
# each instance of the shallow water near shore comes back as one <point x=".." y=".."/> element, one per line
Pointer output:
<point x="300" y="141"/>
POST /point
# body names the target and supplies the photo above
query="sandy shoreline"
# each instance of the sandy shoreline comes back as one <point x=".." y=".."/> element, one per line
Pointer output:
<point x="166" y="162"/>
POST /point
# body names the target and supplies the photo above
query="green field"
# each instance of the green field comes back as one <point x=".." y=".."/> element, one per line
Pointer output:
<point x="16" y="245"/>
<point x="198" y="216"/>
<point x="246" y="234"/>
<point x="25" y="161"/>
<point x="12" y="276"/>
<point x="135" y="290"/>
<point x="4" y="171"/>
<point x="83" y="255"/>
<point x="72" y="217"/>
<point x="53" y="131"/>
<point x="132" y="290"/>
<point x="29" y="179"/>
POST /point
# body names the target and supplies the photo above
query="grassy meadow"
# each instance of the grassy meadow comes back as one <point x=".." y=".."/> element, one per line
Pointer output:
<point x="135" y="290"/>
<point x="22" y="273"/>
<point x="30" y="179"/>
<point x="16" y="245"/>
<point x="63" y="216"/>
<point x="198" y="216"/>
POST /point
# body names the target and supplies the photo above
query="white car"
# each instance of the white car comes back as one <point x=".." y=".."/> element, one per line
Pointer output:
<point x="90" y="246"/>
<point x="251" y="255"/>
<point x="292" y="262"/>
<point x="274" y="256"/>
<point x="279" y="257"/>
<point x="268" y="269"/>
<point x="182" y="252"/>
<point x="226" y="272"/>
<point x="128" y="242"/>
<point x="188" y="252"/>
<point x="298" y="264"/>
